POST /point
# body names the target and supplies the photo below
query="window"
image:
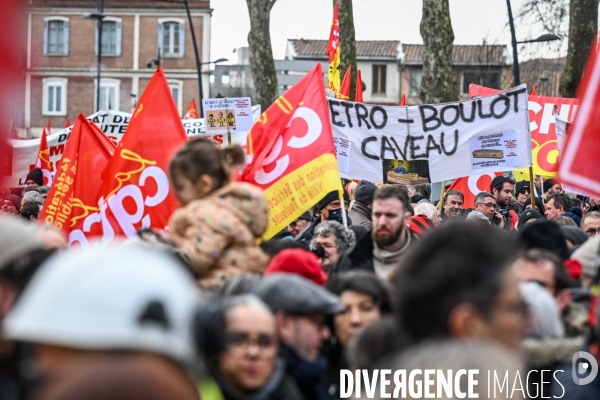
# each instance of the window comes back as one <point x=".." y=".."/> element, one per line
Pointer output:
<point x="54" y="101"/>
<point x="379" y="72"/>
<point x="211" y="79"/>
<point x="111" y="37"/>
<point x="485" y="78"/>
<point x="225" y="79"/>
<point x="176" y="91"/>
<point x="109" y="94"/>
<point x="56" y="36"/>
<point x="415" y="76"/>
<point x="171" y="38"/>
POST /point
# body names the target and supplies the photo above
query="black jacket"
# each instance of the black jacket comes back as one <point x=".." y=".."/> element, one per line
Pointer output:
<point x="308" y="375"/>
<point x="359" y="257"/>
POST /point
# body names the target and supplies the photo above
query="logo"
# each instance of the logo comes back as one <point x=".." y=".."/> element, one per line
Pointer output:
<point x="581" y="367"/>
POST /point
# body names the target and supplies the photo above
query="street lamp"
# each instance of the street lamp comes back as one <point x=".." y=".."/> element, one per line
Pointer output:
<point x="544" y="38"/>
<point x="98" y="17"/>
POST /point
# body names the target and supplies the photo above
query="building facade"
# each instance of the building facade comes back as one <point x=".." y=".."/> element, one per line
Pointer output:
<point x="391" y="69"/>
<point x="61" y="51"/>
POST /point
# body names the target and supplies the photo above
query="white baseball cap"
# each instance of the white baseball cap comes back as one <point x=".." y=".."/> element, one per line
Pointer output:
<point x="110" y="298"/>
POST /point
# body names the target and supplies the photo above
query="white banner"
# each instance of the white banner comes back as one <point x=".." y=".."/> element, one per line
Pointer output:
<point x="113" y="124"/>
<point x="440" y="134"/>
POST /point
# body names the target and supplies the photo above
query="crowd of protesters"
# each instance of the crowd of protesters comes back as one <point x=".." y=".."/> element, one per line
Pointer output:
<point x="206" y="311"/>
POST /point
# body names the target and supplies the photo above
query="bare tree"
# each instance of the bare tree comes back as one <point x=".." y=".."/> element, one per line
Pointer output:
<point x="262" y="64"/>
<point x="436" y="30"/>
<point x="347" y="42"/>
<point x="583" y="24"/>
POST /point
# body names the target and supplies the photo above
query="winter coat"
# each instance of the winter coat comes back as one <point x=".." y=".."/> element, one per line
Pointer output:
<point x="218" y="234"/>
<point x="307" y="375"/>
<point x="361" y="215"/>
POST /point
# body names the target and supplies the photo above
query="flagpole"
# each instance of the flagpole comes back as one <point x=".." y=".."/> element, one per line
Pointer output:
<point x="344" y="217"/>
<point x="531" y="188"/>
<point x="441" y="197"/>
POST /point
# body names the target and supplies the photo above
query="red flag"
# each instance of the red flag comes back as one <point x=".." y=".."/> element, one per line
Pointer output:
<point x="579" y="162"/>
<point x="43" y="160"/>
<point x="67" y="123"/>
<point x="359" y="90"/>
<point x="49" y="126"/>
<point x="534" y="91"/>
<point x="192" y="111"/>
<point x="471" y="186"/>
<point x="291" y="152"/>
<point x="71" y="203"/>
<point x="344" y="92"/>
<point x="403" y="101"/>
<point x="333" y="51"/>
<point x="135" y="192"/>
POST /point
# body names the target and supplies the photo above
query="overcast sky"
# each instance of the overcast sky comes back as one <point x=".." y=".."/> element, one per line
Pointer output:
<point x="472" y="21"/>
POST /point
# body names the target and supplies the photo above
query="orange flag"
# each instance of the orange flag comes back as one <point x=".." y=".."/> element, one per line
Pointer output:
<point x="135" y="192"/>
<point x="344" y="92"/>
<point x="48" y="126"/>
<point x="192" y="112"/>
<point x="403" y="101"/>
<point x="71" y="202"/>
<point x="359" y="89"/>
<point x="43" y="160"/>
<point x="67" y="123"/>
<point x="291" y="152"/>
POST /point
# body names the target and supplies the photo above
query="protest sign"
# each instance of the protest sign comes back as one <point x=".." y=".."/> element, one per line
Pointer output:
<point x="437" y="133"/>
<point x="496" y="149"/>
<point x="542" y="125"/>
<point x="228" y="114"/>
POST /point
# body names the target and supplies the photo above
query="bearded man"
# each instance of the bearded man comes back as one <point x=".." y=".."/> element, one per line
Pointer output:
<point x="384" y="249"/>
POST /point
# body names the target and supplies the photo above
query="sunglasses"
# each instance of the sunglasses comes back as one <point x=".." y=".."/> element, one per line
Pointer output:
<point x="524" y="191"/>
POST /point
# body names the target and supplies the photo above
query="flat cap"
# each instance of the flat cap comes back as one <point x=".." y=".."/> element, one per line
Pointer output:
<point x="292" y="293"/>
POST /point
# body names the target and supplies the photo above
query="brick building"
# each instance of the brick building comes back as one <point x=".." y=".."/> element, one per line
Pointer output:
<point x="60" y="57"/>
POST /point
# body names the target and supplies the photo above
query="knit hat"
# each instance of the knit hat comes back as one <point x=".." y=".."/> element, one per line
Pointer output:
<point x="307" y="216"/>
<point x="16" y="238"/>
<point x="549" y="183"/>
<point x="575" y="214"/>
<point x="478" y="216"/>
<point x="574" y="234"/>
<point x="13" y="198"/>
<point x="539" y="205"/>
<point x="587" y="254"/>
<point x="521" y="185"/>
<point x="364" y="192"/>
<point x="299" y="262"/>
<point x="419" y="224"/>
<point x="544" y="234"/>
<point x="498" y="181"/>
<point x="527" y="215"/>
<point x="543" y="310"/>
<point x="37" y="176"/>
<point x="332" y="196"/>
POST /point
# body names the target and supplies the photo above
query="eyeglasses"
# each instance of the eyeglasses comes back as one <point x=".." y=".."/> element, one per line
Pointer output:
<point x="593" y="232"/>
<point x="524" y="191"/>
<point x="487" y="205"/>
<point x="240" y="341"/>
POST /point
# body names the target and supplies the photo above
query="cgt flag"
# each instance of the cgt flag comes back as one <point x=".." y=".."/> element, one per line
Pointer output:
<point x="135" y="192"/>
<point x="579" y="162"/>
<point x="192" y="112"/>
<point x="43" y="160"/>
<point x="344" y="93"/>
<point x="71" y="202"/>
<point x="291" y="154"/>
<point x="333" y="51"/>
<point x="358" y="96"/>
<point x="471" y="186"/>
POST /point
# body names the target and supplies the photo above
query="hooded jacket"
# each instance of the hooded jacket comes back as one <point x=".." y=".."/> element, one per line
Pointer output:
<point x="218" y="234"/>
<point x="361" y="215"/>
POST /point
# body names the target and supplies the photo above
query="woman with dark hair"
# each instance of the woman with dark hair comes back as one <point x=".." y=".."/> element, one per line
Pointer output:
<point x="367" y="300"/>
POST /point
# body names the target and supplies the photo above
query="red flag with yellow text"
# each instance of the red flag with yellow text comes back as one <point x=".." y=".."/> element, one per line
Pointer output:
<point x="71" y="203"/>
<point x="333" y="51"/>
<point x="192" y="111"/>
<point x="291" y="152"/>
<point x="43" y="160"/>
<point x="135" y="191"/>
